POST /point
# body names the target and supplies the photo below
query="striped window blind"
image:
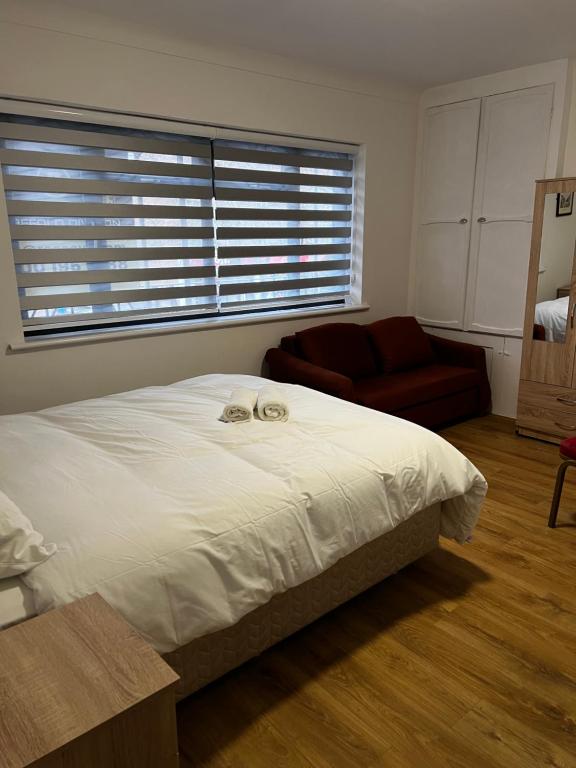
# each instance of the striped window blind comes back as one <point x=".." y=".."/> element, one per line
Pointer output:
<point x="284" y="225"/>
<point x="113" y="227"/>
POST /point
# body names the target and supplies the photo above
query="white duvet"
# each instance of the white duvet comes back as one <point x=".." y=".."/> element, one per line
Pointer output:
<point x="185" y="524"/>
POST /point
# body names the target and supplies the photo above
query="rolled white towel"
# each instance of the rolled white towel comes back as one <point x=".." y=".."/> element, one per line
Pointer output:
<point x="272" y="405"/>
<point x="241" y="405"/>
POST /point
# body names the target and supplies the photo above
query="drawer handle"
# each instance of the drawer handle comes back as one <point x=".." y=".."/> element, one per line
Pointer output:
<point x="570" y="428"/>
<point x="567" y="400"/>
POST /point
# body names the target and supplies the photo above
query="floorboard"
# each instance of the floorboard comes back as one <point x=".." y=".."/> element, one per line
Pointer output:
<point x="465" y="659"/>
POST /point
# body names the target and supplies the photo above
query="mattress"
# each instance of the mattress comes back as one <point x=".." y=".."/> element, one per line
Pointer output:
<point x="185" y="524"/>
<point x="16" y="602"/>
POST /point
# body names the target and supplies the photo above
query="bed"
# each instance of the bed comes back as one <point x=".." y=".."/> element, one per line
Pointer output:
<point x="216" y="540"/>
<point x="553" y="316"/>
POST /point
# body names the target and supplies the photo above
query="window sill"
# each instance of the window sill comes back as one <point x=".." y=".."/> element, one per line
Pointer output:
<point x="55" y="342"/>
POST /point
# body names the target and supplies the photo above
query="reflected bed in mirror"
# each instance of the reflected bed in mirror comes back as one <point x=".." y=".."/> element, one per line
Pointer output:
<point x="555" y="274"/>
<point x="550" y="319"/>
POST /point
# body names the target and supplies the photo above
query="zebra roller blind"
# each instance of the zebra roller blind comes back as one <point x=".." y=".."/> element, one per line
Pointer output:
<point x="111" y="226"/>
<point x="283" y="223"/>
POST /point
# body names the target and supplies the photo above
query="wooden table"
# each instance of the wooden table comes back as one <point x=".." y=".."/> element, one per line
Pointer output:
<point x="79" y="688"/>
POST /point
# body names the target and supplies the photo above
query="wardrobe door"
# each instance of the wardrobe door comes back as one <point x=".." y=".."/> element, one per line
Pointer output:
<point x="512" y="152"/>
<point x="445" y="210"/>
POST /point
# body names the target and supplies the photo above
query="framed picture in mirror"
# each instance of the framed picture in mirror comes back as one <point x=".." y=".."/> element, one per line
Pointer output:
<point x="564" y="203"/>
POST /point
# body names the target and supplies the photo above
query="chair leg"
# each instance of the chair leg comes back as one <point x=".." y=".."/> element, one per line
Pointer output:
<point x="558" y="492"/>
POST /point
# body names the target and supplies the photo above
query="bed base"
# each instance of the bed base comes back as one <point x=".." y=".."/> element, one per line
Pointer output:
<point x="207" y="658"/>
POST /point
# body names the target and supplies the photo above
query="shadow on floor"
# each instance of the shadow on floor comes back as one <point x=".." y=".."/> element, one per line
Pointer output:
<point x="211" y="720"/>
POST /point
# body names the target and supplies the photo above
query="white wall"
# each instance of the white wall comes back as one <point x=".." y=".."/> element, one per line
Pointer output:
<point x="76" y="69"/>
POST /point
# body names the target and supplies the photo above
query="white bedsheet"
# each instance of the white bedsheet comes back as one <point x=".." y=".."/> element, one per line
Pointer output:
<point x="185" y="524"/>
<point x="553" y="315"/>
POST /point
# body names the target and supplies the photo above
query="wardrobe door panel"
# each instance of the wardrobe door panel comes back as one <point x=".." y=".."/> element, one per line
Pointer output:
<point x="449" y="161"/>
<point x="441" y="279"/>
<point x="512" y="154"/>
<point x="513" y="151"/>
<point x="447" y="189"/>
<point x="501" y="277"/>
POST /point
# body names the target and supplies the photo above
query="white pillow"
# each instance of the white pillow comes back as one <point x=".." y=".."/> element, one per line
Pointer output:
<point x="21" y="547"/>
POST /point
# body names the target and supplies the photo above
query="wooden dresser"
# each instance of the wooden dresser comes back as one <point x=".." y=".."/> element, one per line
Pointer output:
<point x="547" y="393"/>
<point x="546" y="411"/>
<point x="79" y="688"/>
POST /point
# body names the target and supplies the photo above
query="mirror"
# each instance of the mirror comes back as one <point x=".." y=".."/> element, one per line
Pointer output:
<point x="556" y="265"/>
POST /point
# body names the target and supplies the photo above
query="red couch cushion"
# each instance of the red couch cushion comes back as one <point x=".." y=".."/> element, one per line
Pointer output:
<point x="395" y="391"/>
<point x="400" y="344"/>
<point x="340" y="347"/>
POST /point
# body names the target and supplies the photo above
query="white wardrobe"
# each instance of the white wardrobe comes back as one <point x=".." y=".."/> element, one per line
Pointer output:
<point x="479" y="159"/>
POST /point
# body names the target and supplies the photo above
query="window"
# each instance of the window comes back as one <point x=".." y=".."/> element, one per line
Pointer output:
<point x="112" y="227"/>
<point x="283" y="224"/>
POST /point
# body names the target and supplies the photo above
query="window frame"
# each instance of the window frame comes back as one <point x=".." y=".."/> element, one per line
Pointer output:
<point x="353" y="302"/>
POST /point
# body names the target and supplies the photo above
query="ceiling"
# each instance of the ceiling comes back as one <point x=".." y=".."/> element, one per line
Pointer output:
<point x="417" y="42"/>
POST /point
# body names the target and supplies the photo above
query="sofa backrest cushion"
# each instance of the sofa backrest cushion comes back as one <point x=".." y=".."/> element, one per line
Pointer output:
<point x="340" y="347"/>
<point x="289" y="344"/>
<point x="400" y="344"/>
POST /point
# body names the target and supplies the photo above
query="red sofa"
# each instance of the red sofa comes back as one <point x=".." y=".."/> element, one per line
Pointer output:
<point x="391" y="366"/>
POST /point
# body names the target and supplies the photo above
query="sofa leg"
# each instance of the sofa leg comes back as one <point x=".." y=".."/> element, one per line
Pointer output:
<point x="558" y="492"/>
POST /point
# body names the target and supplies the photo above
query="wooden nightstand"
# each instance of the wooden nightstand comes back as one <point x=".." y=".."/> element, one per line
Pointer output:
<point x="564" y="291"/>
<point x="79" y="688"/>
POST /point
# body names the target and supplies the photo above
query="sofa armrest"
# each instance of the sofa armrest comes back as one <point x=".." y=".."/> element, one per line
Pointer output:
<point x="292" y="370"/>
<point x="458" y="353"/>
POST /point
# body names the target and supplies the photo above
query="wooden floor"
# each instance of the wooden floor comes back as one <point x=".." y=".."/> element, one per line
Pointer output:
<point x="467" y="658"/>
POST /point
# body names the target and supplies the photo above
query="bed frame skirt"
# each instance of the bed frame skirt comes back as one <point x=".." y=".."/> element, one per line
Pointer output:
<point x="209" y="657"/>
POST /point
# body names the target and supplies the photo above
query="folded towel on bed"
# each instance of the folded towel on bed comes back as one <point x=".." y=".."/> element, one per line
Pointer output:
<point x="241" y="405"/>
<point x="272" y="405"/>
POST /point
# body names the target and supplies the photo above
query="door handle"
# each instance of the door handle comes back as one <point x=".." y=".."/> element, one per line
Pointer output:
<point x="569" y="427"/>
<point x="481" y="220"/>
<point x="567" y="400"/>
<point x="463" y="221"/>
